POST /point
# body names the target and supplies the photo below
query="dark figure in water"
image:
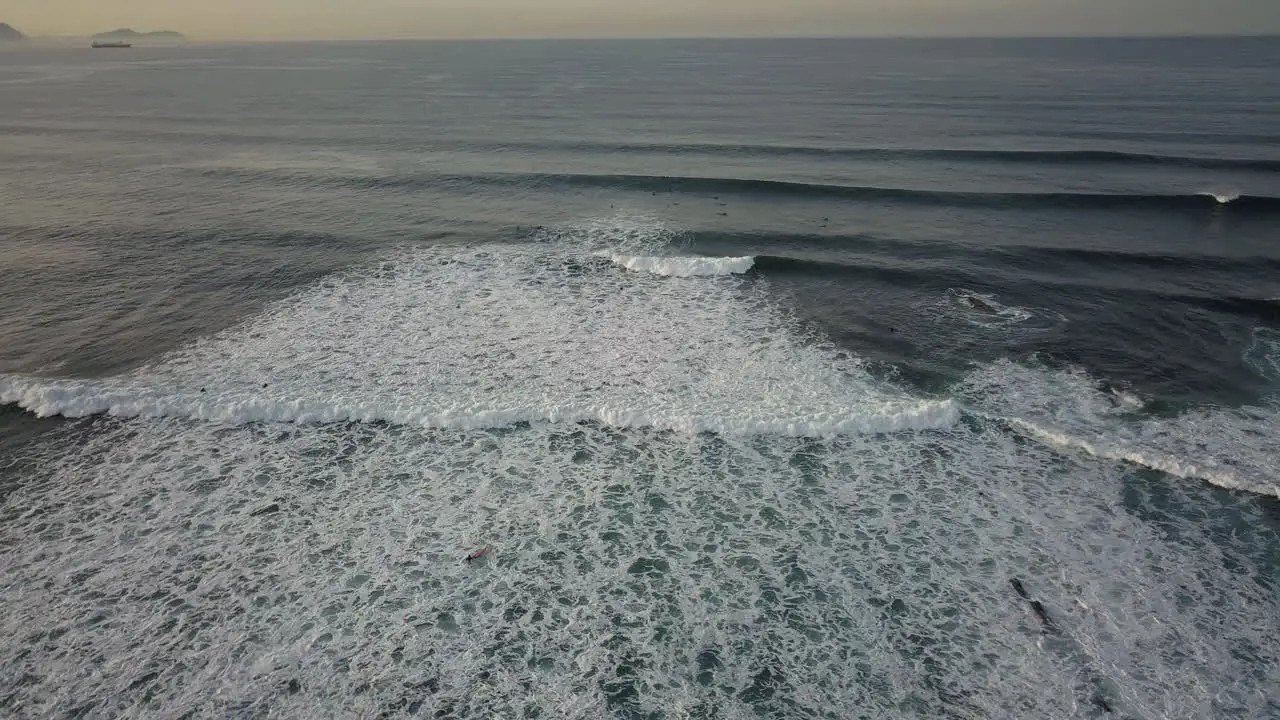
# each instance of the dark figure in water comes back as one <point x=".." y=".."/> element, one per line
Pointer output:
<point x="979" y="304"/>
<point x="477" y="554"/>
<point x="1036" y="606"/>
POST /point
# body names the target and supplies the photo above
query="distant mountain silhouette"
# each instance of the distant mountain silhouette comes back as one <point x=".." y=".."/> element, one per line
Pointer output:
<point x="8" y="33"/>
<point x="131" y="34"/>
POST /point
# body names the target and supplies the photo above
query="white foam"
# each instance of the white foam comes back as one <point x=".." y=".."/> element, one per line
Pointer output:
<point x="1210" y="470"/>
<point x="652" y="571"/>
<point x="492" y="336"/>
<point x="1230" y="448"/>
<point x="1128" y="400"/>
<point x="684" y="266"/>
<point x="162" y="566"/>
<point x="73" y="399"/>
<point x="1223" y="198"/>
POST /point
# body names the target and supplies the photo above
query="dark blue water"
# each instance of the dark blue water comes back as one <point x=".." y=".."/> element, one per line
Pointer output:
<point x="762" y="368"/>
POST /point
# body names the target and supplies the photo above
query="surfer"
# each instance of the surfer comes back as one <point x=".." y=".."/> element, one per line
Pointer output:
<point x="477" y="554"/>
<point x="1036" y="606"/>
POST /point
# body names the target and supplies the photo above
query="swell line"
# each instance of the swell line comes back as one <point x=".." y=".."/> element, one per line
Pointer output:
<point x="1053" y="157"/>
<point x="655" y="184"/>
<point x="783" y="188"/>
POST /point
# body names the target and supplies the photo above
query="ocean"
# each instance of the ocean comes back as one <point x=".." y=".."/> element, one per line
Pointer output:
<point x="775" y="378"/>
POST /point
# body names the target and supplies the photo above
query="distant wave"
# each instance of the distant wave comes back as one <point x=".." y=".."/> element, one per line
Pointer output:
<point x="1178" y="136"/>
<point x="782" y="188"/>
<point x="949" y="270"/>
<point x="889" y="250"/>
<point x="684" y="266"/>
<point x="748" y="186"/>
<point x="879" y="268"/>
<point x="1164" y="261"/>
<point x="817" y="152"/>
<point x="1040" y="157"/>
<point x="1264" y="309"/>
<point x="760" y="187"/>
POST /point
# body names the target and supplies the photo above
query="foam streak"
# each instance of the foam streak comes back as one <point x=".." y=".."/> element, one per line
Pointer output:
<point x="78" y="399"/>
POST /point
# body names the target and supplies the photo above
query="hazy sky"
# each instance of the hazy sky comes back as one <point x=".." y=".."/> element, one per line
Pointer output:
<point x="231" y="19"/>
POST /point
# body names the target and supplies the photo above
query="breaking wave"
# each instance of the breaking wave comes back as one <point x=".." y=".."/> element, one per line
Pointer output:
<point x="1228" y="447"/>
<point x="684" y="266"/>
<point x="1222" y="198"/>
<point x="238" y="406"/>
<point x="787" y="564"/>
<point x="488" y="337"/>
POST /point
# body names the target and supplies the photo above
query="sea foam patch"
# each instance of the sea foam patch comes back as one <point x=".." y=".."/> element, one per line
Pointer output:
<point x="318" y="571"/>
<point x="492" y="336"/>
<point x="168" y="566"/>
<point x="1229" y="447"/>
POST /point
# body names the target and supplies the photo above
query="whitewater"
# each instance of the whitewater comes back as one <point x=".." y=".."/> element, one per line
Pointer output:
<point x="774" y="379"/>
<point x="694" y="506"/>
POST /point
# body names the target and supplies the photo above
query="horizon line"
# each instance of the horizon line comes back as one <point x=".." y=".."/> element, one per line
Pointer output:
<point x="794" y="36"/>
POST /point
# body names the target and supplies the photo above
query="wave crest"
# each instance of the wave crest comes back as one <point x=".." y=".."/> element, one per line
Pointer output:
<point x="684" y="266"/>
<point x="1223" y="198"/>
<point x="73" y="399"/>
<point x="1230" y="448"/>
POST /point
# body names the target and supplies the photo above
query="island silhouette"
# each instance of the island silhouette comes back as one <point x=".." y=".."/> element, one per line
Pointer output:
<point x="10" y="33"/>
